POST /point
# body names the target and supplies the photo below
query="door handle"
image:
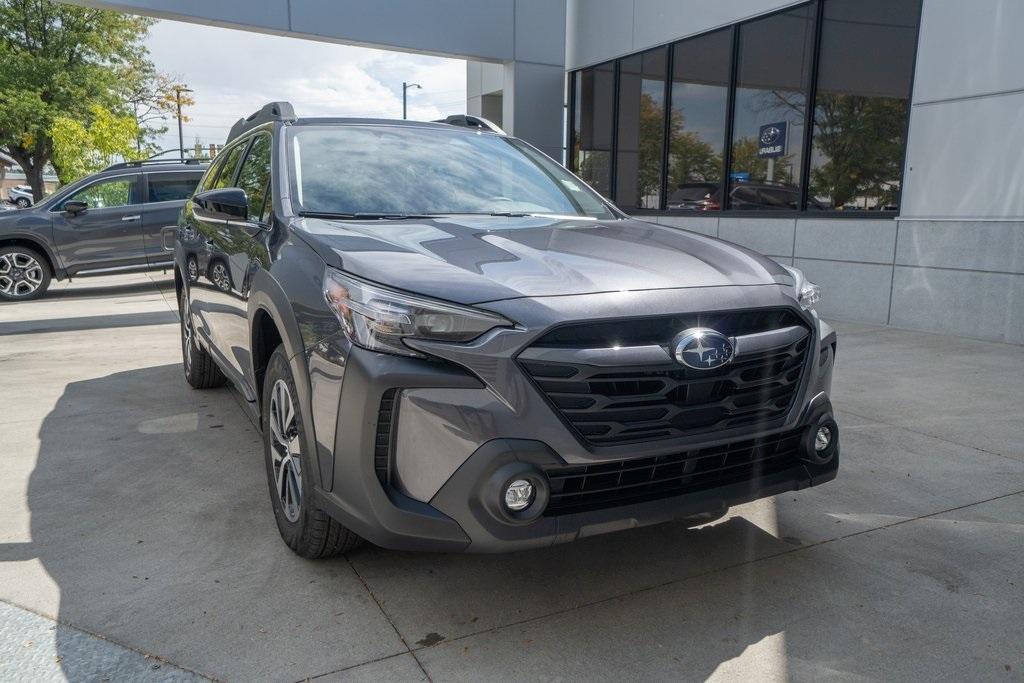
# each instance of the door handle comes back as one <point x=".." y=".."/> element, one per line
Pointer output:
<point x="130" y="218"/>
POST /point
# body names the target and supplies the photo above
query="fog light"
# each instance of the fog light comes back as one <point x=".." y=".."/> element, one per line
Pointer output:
<point x="822" y="439"/>
<point x="519" y="495"/>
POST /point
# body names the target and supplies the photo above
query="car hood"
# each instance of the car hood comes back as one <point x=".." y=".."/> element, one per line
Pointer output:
<point x="476" y="259"/>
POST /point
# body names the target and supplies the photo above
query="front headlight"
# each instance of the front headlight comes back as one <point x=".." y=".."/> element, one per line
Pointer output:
<point x="807" y="293"/>
<point x="379" y="319"/>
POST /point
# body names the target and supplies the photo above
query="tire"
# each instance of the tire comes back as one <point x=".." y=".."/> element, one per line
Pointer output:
<point x="306" y="529"/>
<point x="24" y="274"/>
<point x="201" y="372"/>
<point x="23" y="203"/>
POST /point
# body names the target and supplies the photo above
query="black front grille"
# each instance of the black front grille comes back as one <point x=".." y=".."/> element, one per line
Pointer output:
<point x="580" y="488"/>
<point x="628" y="404"/>
<point x="382" y="444"/>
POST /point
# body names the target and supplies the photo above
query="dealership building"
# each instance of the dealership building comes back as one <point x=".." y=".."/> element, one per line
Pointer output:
<point x="876" y="144"/>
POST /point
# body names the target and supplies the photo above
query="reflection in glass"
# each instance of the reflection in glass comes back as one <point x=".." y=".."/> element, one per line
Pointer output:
<point x="641" y="130"/>
<point x="700" y="94"/>
<point x="592" y="126"/>
<point x="860" y="114"/>
<point x="107" y="194"/>
<point x="772" y="79"/>
<point x="253" y="175"/>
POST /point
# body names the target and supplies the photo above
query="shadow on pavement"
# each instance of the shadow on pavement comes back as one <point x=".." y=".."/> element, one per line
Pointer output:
<point x="91" y="322"/>
<point x="155" y="525"/>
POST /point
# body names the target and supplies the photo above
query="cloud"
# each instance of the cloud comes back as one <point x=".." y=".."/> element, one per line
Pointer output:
<point x="234" y="73"/>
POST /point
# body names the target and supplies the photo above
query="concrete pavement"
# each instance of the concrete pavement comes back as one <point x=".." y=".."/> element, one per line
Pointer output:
<point x="136" y="510"/>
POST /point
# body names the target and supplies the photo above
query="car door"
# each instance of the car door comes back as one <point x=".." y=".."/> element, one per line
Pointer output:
<point x="166" y="192"/>
<point x="107" y="236"/>
<point x="245" y="248"/>
<point x="210" y="292"/>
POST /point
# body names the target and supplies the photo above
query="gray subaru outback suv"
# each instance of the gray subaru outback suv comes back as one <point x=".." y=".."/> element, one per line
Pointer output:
<point x="452" y="343"/>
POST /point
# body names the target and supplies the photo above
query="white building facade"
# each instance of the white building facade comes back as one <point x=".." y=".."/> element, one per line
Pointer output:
<point x="876" y="144"/>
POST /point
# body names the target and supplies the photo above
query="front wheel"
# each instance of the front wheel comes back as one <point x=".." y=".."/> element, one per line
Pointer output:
<point x="308" y="530"/>
<point x="23" y="203"/>
<point x="24" y="274"/>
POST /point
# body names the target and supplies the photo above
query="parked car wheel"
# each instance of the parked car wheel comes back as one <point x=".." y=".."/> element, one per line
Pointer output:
<point x="24" y="274"/>
<point x="201" y="372"/>
<point x="23" y="202"/>
<point x="307" y="530"/>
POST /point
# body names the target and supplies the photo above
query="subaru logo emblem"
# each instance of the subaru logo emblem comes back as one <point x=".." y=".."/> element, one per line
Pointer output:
<point x="702" y="348"/>
<point x="770" y="135"/>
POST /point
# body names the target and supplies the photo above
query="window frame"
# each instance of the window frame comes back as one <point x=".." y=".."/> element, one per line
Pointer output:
<point x="149" y="176"/>
<point x="135" y="177"/>
<point x="806" y="138"/>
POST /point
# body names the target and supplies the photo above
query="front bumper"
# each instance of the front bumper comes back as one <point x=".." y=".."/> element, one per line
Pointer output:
<point x="456" y="441"/>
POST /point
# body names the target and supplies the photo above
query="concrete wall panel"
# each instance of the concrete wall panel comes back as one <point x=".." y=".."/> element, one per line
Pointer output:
<point x="969" y="49"/>
<point x="966" y="303"/>
<point x="769" y="236"/>
<point x="851" y="291"/>
<point x="597" y="30"/>
<point x="964" y="159"/>
<point x="872" y="241"/>
<point x="540" y="31"/>
<point x="985" y="246"/>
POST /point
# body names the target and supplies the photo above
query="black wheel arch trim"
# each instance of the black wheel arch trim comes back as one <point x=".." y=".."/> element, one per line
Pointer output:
<point x="57" y="270"/>
<point x="266" y="295"/>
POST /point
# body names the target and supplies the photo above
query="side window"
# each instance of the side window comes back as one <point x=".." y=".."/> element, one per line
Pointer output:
<point x="169" y="187"/>
<point x="255" y="174"/>
<point x="226" y="173"/>
<point x="107" y="194"/>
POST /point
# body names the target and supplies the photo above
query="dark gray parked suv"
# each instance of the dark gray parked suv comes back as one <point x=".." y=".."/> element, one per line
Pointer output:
<point x="119" y="220"/>
<point x="451" y="343"/>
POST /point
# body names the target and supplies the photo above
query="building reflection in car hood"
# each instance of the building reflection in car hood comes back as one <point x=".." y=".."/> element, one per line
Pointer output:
<point x="473" y="259"/>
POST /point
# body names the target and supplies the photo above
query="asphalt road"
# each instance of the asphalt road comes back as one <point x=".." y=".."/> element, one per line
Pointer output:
<point x="137" y="540"/>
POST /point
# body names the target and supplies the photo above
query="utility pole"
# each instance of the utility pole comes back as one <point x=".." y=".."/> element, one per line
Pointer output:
<point x="178" y="89"/>
<point x="405" y="90"/>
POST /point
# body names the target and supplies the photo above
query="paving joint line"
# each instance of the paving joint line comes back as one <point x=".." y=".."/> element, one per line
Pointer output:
<point x="112" y="641"/>
<point x="932" y="436"/>
<point x="387" y="616"/>
<point x="679" y="581"/>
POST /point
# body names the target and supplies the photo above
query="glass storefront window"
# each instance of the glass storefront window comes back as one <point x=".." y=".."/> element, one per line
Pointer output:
<point x="861" y="105"/>
<point x="772" y="79"/>
<point x="656" y="145"/>
<point x="698" y="109"/>
<point x="592" y="126"/>
<point x="641" y="130"/>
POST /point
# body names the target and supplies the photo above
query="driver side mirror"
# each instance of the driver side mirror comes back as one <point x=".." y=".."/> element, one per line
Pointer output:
<point x="223" y="204"/>
<point x="75" y="207"/>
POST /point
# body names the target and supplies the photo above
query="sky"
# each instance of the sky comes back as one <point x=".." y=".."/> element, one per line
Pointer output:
<point x="234" y="73"/>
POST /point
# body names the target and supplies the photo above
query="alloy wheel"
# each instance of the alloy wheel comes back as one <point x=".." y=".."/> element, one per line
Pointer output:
<point x="20" y="274"/>
<point x="187" y="332"/>
<point x="284" y="449"/>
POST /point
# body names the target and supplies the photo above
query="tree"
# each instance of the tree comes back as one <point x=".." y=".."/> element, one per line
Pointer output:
<point x="151" y="97"/>
<point x="60" y="62"/>
<point x="861" y="140"/>
<point x="79" y="149"/>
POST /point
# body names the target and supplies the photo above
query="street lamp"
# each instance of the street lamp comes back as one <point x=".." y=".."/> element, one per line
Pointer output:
<point x="405" y="89"/>
<point x="178" y="89"/>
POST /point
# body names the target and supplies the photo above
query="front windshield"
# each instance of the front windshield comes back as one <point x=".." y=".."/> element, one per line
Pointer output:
<point x="396" y="170"/>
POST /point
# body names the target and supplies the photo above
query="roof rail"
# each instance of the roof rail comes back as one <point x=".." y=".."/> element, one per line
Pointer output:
<point x="274" y="111"/>
<point x="469" y="121"/>
<point x="153" y="161"/>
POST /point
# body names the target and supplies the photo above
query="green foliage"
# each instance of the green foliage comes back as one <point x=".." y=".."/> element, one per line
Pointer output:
<point x="61" y="62"/>
<point x="861" y="140"/>
<point x="79" y="149"/>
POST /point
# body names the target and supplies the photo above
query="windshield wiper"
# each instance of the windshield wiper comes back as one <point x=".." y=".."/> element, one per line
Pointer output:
<point x="510" y="214"/>
<point x="361" y="216"/>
